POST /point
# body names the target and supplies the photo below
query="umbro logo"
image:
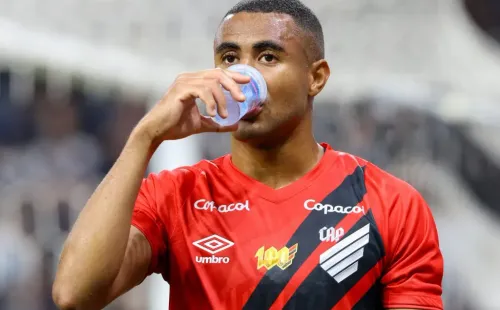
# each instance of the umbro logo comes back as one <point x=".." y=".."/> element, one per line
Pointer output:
<point x="341" y="260"/>
<point x="213" y="245"/>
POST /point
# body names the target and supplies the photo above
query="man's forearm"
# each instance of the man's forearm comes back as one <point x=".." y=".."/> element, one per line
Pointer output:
<point x="95" y="248"/>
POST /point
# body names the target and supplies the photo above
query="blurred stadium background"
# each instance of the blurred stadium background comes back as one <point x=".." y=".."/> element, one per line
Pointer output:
<point x="415" y="89"/>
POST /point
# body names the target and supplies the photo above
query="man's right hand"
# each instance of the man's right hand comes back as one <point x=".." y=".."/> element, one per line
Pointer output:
<point x="176" y="115"/>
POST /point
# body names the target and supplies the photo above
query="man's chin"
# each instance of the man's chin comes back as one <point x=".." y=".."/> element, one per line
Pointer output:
<point x="254" y="133"/>
<point x="249" y="130"/>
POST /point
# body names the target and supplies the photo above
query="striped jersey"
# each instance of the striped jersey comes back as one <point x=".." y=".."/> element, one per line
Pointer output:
<point x="347" y="235"/>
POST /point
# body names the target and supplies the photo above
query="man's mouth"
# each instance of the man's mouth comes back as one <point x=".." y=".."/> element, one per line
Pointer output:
<point x="253" y="113"/>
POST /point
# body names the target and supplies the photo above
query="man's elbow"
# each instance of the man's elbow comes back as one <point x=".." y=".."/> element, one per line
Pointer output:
<point x="63" y="297"/>
<point x="68" y="297"/>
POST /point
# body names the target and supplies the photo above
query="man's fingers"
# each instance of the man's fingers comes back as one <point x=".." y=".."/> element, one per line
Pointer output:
<point x="231" y="82"/>
<point x="219" y="98"/>
<point x="208" y="88"/>
<point x="231" y="128"/>
<point x="216" y="102"/>
<point x="206" y="95"/>
<point x="238" y="77"/>
<point x="209" y="125"/>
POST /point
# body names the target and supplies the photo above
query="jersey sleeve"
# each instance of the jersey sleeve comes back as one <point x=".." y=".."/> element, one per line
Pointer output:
<point x="155" y="215"/>
<point x="415" y="265"/>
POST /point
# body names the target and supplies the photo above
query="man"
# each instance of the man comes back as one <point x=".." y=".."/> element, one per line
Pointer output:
<point x="281" y="222"/>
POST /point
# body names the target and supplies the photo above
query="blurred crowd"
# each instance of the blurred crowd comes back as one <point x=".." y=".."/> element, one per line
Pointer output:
<point x="55" y="148"/>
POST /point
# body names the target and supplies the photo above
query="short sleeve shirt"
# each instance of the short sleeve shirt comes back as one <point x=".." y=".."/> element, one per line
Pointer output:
<point x="347" y="235"/>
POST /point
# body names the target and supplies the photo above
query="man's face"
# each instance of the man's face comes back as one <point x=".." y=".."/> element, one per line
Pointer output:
<point x="272" y="43"/>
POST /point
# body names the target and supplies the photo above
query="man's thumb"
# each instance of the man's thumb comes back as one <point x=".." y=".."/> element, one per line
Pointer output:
<point x="209" y="125"/>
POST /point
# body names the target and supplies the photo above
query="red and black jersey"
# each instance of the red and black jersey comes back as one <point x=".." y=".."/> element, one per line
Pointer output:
<point x="347" y="235"/>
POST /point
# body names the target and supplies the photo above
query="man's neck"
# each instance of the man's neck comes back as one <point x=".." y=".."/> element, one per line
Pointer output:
<point x="279" y="166"/>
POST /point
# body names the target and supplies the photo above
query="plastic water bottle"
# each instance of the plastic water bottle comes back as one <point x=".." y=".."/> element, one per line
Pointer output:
<point x="255" y="93"/>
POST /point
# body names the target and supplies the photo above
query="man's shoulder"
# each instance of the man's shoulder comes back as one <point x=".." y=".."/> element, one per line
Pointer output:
<point x="391" y="198"/>
<point x="203" y="168"/>
<point x="378" y="178"/>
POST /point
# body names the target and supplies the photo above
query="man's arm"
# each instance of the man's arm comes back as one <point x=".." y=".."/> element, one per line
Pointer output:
<point x="414" y="270"/>
<point x="103" y="257"/>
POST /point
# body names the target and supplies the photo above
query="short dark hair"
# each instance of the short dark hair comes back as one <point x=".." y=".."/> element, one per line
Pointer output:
<point x="301" y="14"/>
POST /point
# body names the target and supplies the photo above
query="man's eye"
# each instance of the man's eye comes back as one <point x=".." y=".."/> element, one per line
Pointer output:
<point x="269" y="58"/>
<point x="229" y="59"/>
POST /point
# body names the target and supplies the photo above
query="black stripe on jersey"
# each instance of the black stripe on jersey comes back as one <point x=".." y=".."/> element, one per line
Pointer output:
<point x="321" y="291"/>
<point x="349" y="193"/>
<point x="371" y="300"/>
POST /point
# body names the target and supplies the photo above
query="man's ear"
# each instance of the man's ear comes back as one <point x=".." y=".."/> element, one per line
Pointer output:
<point x="319" y="75"/>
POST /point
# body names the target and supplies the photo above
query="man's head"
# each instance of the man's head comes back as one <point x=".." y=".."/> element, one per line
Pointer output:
<point x="283" y="39"/>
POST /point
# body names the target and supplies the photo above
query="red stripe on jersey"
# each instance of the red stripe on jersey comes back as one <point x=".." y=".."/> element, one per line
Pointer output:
<point x="312" y="261"/>
<point x="359" y="289"/>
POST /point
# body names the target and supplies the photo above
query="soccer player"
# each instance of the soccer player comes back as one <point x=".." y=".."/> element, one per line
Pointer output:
<point x="280" y="223"/>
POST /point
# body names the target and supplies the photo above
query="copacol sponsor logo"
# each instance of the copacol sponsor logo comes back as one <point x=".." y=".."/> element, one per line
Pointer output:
<point x="311" y="204"/>
<point x="206" y="205"/>
<point x="213" y="245"/>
